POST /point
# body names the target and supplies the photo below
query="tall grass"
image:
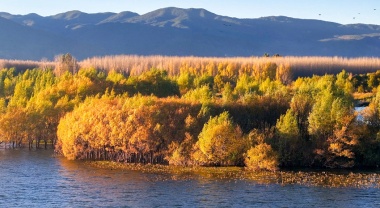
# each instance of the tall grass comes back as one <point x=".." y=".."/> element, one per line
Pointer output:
<point x="301" y="66"/>
<point x="135" y="65"/>
<point x="22" y="65"/>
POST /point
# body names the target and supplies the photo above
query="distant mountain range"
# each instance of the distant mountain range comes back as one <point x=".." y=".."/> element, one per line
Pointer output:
<point x="180" y="32"/>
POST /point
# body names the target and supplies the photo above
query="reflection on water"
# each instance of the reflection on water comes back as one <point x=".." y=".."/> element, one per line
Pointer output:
<point x="36" y="179"/>
<point x="359" y="111"/>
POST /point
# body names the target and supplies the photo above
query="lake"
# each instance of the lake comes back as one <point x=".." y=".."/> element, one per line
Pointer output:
<point x="38" y="179"/>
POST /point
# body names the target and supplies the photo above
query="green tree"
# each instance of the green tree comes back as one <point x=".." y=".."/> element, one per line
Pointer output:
<point x="321" y="118"/>
<point x="202" y="94"/>
<point x="246" y="84"/>
<point x="290" y="143"/>
<point x="329" y="122"/>
<point x="220" y="142"/>
<point x="372" y="82"/>
<point x="203" y="80"/>
<point x="115" y="77"/>
<point x="185" y="82"/>
<point x="227" y="93"/>
<point x="369" y="131"/>
<point x="302" y="104"/>
<point x="343" y="82"/>
<point x="23" y="92"/>
<point x="157" y="82"/>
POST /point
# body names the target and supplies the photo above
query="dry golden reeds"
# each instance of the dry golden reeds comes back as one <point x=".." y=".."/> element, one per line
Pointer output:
<point x="301" y="66"/>
<point x="135" y="65"/>
<point x="22" y="65"/>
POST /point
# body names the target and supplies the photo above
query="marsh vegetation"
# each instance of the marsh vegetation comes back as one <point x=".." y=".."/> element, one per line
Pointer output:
<point x="188" y="111"/>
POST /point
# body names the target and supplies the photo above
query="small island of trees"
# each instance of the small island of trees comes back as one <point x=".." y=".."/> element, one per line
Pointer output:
<point x="214" y="113"/>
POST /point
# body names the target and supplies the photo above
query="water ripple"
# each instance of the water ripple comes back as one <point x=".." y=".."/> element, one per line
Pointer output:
<point x="35" y="179"/>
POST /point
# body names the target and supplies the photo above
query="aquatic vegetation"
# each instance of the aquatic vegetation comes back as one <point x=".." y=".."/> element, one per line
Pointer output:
<point x="319" y="178"/>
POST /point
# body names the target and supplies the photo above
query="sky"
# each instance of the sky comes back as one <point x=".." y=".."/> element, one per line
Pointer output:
<point x="340" y="11"/>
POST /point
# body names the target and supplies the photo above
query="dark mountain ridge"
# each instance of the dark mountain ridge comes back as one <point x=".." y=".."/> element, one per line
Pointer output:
<point x="176" y="31"/>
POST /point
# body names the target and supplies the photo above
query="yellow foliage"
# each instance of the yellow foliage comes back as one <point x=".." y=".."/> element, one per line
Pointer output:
<point x="220" y="141"/>
<point x="261" y="157"/>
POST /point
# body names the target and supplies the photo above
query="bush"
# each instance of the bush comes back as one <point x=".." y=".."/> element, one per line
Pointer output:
<point x="261" y="157"/>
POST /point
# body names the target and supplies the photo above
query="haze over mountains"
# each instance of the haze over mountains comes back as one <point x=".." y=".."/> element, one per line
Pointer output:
<point x="176" y="31"/>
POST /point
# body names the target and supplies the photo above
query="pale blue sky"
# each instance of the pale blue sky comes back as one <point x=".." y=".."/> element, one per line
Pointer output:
<point x="341" y="11"/>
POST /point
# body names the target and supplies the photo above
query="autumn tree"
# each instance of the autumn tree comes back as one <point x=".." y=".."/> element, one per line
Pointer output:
<point x="220" y="142"/>
<point x="369" y="131"/>
<point x="14" y="126"/>
<point x="329" y="125"/>
<point x="284" y="74"/>
<point x="341" y="146"/>
<point x="261" y="157"/>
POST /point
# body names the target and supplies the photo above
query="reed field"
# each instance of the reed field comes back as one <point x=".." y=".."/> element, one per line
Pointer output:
<point x="300" y="65"/>
<point x="135" y="65"/>
<point x="22" y="65"/>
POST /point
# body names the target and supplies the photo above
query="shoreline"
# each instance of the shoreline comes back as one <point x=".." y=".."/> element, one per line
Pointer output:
<point x="328" y="178"/>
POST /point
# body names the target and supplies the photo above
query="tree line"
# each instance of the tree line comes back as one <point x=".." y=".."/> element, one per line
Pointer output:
<point x="261" y="119"/>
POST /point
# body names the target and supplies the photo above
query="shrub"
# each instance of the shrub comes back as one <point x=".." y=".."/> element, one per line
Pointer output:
<point x="261" y="157"/>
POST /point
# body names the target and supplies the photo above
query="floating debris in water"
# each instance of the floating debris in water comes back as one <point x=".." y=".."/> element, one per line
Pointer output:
<point x="328" y="179"/>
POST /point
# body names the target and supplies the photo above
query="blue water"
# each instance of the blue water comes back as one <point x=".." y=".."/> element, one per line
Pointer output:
<point x="36" y="179"/>
<point x="359" y="111"/>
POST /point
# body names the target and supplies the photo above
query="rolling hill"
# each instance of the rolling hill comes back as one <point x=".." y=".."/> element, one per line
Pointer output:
<point x="176" y="31"/>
